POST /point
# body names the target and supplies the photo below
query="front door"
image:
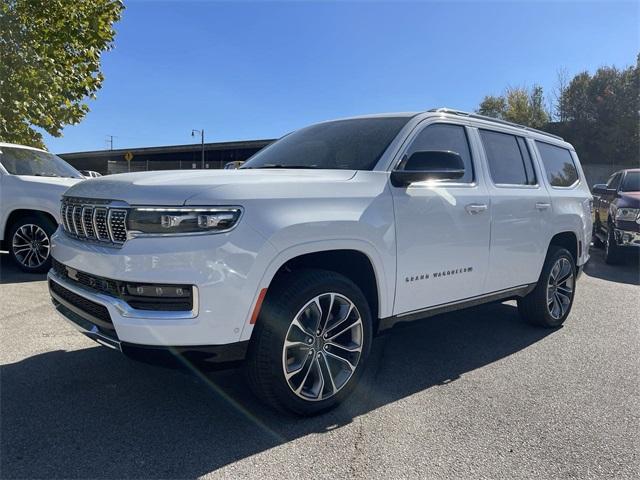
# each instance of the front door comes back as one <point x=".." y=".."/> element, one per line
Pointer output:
<point x="442" y="228"/>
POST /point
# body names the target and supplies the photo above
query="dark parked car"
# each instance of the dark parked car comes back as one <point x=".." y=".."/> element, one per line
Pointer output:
<point x="616" y="207"/>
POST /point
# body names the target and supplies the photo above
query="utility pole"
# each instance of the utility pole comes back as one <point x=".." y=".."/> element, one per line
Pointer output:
<point x="110" y="140"/>
<point x="201" y="132"/>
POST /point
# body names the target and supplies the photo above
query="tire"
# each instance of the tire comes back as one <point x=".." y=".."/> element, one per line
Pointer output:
<point x="290" y="310"/>
<point x="29" y="243"/>
<point x="536" y="308"/>
<point x="594" y="237"/>
<point x="612" y="252"/>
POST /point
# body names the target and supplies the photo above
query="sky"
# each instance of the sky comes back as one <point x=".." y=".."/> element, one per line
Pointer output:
<point x="253" y="70"/>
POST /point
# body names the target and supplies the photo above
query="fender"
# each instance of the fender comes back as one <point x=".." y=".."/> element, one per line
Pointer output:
<point x="385" y="289"/>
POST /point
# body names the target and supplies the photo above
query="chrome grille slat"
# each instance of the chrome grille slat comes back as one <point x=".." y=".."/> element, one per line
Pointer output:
<point x="94" y="220"/>
<point x="68" y="217"/>
<point x="77" y="221"/>
<point x="87" y="221"/>
<point x="100" y="223"/>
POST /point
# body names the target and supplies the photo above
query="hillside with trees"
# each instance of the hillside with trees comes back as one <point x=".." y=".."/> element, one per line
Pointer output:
<point x="598" y="113"/>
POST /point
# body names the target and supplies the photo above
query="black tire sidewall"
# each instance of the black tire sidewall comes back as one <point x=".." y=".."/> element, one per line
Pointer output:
<point x="551" y="260"/>
<point x="292" y="293"/>
<point x="611" y="249"/>
<point x="46" y="225"/>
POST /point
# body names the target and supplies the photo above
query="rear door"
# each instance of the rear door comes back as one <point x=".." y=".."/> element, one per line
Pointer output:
<point x="520" y="211"/>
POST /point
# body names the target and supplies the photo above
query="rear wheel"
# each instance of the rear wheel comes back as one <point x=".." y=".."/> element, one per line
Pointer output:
<point x="549" y="304"/>
<point x="310" y="342"/>
<point x="30" y="243"/>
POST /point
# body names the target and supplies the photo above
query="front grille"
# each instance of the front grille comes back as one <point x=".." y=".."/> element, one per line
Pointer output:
<point x="118" y="289"/>
<point x="94" y="220"/>
<point x="99" y="312"/>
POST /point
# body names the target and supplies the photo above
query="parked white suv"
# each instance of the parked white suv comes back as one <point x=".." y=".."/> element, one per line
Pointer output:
<point x="337" y="231"/>
<point x="32" y="182"/>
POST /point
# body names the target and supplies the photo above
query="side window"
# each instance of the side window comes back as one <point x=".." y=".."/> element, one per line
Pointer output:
<point x="614" y="181"/>
<point x="561" y="171"/>
<point x="442" y="136"/>
<point x="508" y="157"/>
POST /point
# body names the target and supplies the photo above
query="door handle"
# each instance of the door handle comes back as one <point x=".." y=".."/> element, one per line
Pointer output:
<point x="542" y="205"/>
<point x="474" y="208"/>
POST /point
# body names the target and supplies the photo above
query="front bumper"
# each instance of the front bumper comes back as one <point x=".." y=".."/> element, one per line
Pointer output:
<point x="174" y="356"/>
<point x="224" y="270"/>
<point x="627" y="238"/>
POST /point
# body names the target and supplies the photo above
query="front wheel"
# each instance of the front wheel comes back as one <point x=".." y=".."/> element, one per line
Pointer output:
<point x="310" y="343"/>
<point x="30" y="243"/>
<point x="612" y="252"/>
<point x="549" y="304"/>
<point x="594" y="235"/>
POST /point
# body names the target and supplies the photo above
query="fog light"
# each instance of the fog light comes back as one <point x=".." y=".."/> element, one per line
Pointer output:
<point x="159" y="291"/>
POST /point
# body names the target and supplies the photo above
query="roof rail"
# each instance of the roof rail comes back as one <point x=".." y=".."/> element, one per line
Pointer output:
<point x="453" y="111"/>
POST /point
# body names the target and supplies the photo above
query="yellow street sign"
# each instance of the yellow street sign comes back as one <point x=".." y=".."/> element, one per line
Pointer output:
<point x="128" y="156"/>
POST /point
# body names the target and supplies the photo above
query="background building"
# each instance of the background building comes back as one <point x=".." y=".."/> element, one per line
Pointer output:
<point x="172" y="157"/>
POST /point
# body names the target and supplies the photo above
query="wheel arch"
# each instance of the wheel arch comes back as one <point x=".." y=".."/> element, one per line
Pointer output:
<point x="357" y="261"/>
<point x="18" y="213"/>
<point x="568" y="240"/>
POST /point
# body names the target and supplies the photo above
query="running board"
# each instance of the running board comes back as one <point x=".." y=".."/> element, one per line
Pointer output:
<point x="499" y="296"/>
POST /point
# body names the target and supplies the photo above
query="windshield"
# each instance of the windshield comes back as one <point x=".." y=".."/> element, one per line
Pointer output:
<point x="631" y="182"/>
<point x="354" y="144"/>
<point x="23" y="161"/>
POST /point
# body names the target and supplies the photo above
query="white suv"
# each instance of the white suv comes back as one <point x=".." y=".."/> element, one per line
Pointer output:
<point x="32" y="182"/>
<point x="331" y="234"/>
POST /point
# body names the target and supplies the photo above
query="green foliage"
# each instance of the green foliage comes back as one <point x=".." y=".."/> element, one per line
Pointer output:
<point x="520" y="105"/>
<point x="601" y="115"/>
<point x="598" y="114"/>
<point x="50" y="63"/>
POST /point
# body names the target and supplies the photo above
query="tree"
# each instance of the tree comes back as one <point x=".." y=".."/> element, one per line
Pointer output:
<point x="601" y="115"/>
<point x="517" y="104"/>
<point x="50" y="63"/>
<point x="562" y="80"/>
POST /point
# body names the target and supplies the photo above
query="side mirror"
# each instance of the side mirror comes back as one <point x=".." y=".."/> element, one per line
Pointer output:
<point x="601" y="189"/>
<point x="428" y="165"/>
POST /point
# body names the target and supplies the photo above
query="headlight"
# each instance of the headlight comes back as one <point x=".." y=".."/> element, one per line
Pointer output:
<point x="182" y="220"/>
<point x="630" y="214"/>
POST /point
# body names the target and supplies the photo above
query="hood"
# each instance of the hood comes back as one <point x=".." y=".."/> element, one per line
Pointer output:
<point x="629" y="199"/>
<point x="176" y="187"/>
<point x="63" y="183"/>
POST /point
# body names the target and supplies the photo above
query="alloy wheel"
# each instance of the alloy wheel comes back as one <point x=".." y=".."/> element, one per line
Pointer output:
<point x="560" y="288"/>
<point x="322" y="347"/>
<point x="31" y="246"/>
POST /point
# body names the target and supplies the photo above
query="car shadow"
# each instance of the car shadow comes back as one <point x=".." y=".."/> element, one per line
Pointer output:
<point x="93" y="413"/>
<point x="626" y="272"/>
<point x="10" y="273"/>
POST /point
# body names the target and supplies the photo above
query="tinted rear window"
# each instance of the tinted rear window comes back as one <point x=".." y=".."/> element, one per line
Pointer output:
<point x="558" y="162"/>
<point x="507" y="157"/>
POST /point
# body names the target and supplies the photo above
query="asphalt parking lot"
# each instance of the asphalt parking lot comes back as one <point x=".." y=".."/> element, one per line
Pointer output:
<point x="475" y="394"/>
